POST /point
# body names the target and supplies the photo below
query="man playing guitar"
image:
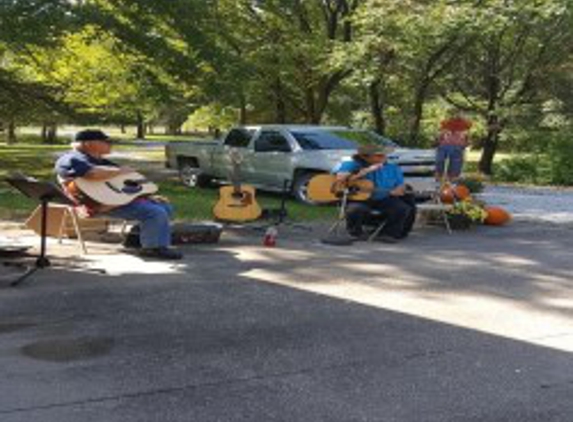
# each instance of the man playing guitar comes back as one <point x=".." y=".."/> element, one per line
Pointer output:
<point x="86" y="161"/>
<point x="389" y="195"/>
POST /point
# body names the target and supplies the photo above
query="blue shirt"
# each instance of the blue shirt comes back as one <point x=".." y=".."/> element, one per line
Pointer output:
<point x="386" y="178"/>
<point x="76" y="164"/>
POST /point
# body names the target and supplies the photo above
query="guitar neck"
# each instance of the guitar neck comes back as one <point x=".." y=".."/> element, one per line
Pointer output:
<point x="235" y="178"/>
<point x="235" y="173"/>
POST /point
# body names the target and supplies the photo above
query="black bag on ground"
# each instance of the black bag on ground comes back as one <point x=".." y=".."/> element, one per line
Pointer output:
<point x="132" y="238"/>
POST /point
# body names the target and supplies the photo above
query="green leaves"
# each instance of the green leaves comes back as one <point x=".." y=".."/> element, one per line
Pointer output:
<point x="394" y="64"/>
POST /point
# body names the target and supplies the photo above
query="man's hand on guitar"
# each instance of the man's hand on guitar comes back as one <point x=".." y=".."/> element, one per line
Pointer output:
<point x="398" y="191"/>
<point x="366" y="170"/>
<point x="374" y="167"/>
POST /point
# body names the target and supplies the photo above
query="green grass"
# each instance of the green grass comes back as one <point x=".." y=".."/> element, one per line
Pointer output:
<point x="37" y="160"/>
<point x="197" y="203"/>
<point x="472" y="158"/>
<point x="31" y="159"/>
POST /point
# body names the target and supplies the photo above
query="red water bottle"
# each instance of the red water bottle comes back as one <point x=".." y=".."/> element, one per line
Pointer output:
<point x="270" y="239"/>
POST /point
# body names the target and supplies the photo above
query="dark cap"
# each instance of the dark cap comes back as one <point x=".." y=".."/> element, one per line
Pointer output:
<point x="92" y="135"/>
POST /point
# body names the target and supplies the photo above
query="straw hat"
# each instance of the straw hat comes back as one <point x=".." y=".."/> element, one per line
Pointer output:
<point x="374" y="149"/>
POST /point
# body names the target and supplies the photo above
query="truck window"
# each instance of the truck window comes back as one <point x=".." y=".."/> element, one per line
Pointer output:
<point x="238" y="138"/>
<point x="337" y="139"/>
<point x="270" y="141"/>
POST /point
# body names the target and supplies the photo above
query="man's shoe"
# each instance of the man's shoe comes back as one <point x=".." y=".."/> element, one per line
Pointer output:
<point x="161" y="253"/>
<point x="387" y="239"/>
<point x="356" y="235"/>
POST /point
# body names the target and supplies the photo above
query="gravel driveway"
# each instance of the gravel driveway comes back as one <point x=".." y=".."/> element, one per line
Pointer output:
<point x="551" y="205"/>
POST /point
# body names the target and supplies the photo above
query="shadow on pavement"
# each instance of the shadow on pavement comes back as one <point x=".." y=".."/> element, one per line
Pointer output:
<point x="236" y="334"/>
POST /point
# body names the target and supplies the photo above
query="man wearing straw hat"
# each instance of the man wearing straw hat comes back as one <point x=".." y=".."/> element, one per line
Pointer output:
<point x="389" y="196"/>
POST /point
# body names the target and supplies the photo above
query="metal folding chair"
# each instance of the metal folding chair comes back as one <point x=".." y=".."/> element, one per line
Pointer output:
<point x="435" y="205"/>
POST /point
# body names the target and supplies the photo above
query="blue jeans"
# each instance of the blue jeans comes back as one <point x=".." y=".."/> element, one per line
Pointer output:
<point x="153" y="217"/>
<point x="455" y="155"/>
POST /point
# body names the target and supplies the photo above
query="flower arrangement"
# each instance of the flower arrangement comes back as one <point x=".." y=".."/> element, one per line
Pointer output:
<point x="463" y="214"/>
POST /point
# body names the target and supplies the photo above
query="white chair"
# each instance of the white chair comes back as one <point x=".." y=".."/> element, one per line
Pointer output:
<point x="434" y="205"/>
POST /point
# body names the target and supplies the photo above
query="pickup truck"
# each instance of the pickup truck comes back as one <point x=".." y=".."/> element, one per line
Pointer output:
<point x="274" y="156"/>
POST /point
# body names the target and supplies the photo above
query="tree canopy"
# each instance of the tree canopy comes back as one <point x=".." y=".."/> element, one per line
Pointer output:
<point x="391" y="65"/>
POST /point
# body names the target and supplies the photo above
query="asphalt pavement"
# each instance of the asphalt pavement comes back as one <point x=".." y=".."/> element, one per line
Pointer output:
<point x="474" y="326"/>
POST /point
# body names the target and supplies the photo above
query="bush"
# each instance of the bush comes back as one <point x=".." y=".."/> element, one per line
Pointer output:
<point x="518" y="169"/>
<point x="551" y="166"/>
<point x="560" y="160"/>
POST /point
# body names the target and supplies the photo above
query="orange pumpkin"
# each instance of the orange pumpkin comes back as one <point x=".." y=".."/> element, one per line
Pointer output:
<point x="450" y="194"/>
<point x="496" y="216"/>
<point x="462" y="192"/>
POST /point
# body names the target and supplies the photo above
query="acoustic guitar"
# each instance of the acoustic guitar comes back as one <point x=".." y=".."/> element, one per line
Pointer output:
<point x="116" y="191"/>
<point x="236" y="203"/>
<point x="325" y="188"/>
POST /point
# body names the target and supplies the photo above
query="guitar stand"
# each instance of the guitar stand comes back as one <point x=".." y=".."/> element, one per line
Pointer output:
<point x="333" y="236"/>
<point x="45" y="192"/>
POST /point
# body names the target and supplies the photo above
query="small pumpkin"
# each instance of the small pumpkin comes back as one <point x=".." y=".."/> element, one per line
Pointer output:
<point x="450" y="194"/>
<point x="447" y="195"/>
<point x="462" y="192"/>
<point x="496" y="216"/>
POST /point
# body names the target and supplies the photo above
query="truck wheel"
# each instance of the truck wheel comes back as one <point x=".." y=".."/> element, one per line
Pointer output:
<point x="300" y="188"/>
<point x="190" y="175"/>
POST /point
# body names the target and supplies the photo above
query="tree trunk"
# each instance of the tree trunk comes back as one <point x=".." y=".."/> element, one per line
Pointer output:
<point x="488" y="152"/>
<point x="310" y="106"/>
<point x="11" y="134"/>
<point x="44" y="134"/>
<point x="242" y="109"/>
<point x="52" y="134"/>
<point x="280" y="107"/>
<point x="490" y="144"/>
<point x="49" y="133"/>
<point x="418" y="112"/>
<point x="377" y="107"/>
<point x="242" y="115"/>
<point x="173" y="128"/>
<point x="122" y="128"/>
<point x="140" y="127"/>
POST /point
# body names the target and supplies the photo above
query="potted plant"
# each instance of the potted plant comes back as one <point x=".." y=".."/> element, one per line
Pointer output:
<point x="464" y="214"/>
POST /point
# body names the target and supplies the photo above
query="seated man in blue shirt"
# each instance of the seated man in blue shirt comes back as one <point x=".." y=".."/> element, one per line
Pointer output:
<point x="87" y="161"/>
<point x="389" y="195"/>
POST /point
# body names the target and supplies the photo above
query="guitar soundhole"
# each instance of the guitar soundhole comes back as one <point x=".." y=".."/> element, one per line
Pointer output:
<point x="241" y="198"/>
<point x="131" y="187"/>
<point x="131" y="183"/>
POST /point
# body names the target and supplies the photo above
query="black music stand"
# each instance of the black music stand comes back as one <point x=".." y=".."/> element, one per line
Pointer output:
<point x="44" y="192"/>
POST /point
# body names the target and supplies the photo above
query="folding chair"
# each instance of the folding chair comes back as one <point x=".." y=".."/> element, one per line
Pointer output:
<point x="65" y="221"/>
<point x="376" y="217"/>
<point x="435" y="205"/>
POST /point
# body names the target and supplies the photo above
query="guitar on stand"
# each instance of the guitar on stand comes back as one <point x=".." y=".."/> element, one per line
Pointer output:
<point x="237" y="202"/>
